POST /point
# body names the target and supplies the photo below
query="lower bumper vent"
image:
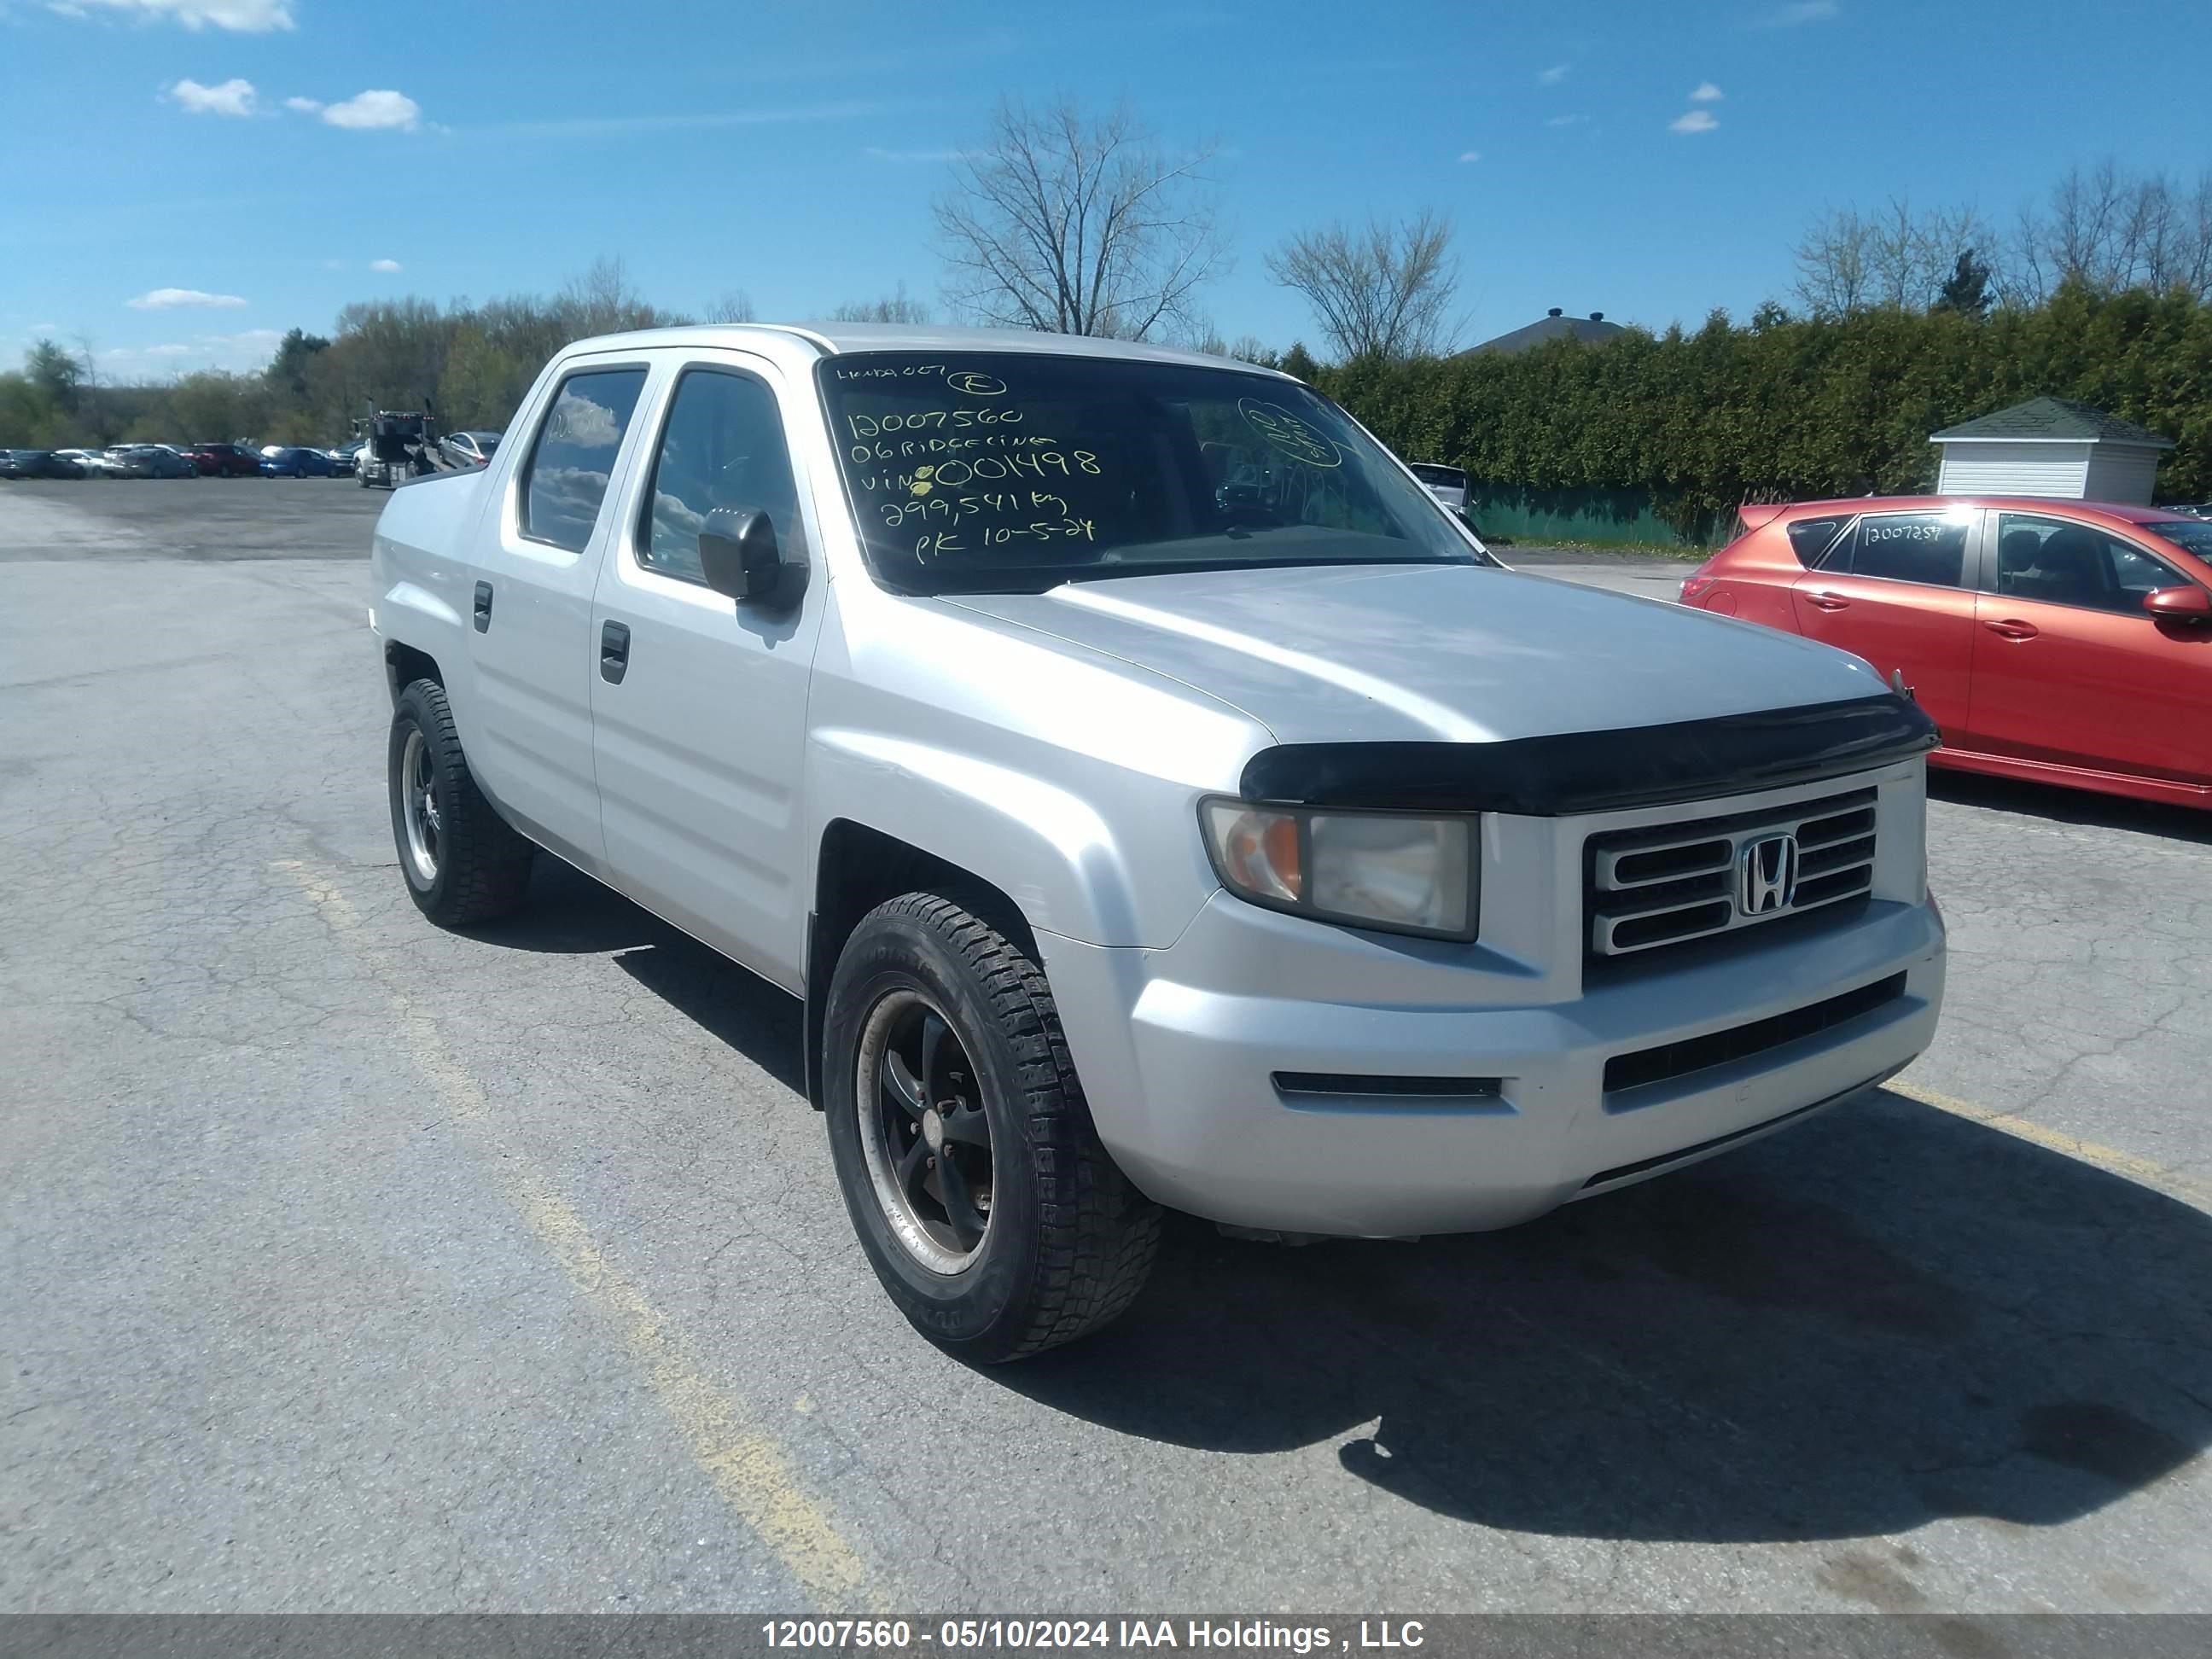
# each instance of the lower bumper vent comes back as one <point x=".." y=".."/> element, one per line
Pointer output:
<point x="1674" y="1060"/>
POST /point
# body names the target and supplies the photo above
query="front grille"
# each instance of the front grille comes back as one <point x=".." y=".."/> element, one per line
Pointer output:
<point x="1670" y="1060"/>
<point x="1672" y="882"/>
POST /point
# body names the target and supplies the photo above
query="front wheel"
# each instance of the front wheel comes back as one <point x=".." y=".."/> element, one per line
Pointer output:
<point x="974" y="1176"/>
<point x="464" y="863"/>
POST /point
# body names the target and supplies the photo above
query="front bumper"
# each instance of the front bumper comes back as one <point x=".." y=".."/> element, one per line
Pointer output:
<point x="1183" y="1075"/>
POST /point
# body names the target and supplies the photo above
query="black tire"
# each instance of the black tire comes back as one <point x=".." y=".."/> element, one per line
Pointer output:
<point x="1069" y="1240"/>
<point x="478" y="867"/>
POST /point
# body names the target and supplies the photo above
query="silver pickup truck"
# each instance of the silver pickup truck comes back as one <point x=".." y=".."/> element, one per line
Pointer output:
<point x="1156" y="798"/>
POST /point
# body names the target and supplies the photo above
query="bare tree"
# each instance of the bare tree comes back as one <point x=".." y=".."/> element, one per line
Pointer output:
<point x="1078" y="225"/>
<point x="2114" y="230"/>
<point x="1378" y="289"/>
<point x="735" y="305"/>
<point x="1835" y="261"/>
<point x="1896" y="258"/>
<point x="895" y="308"/>
<point x="602" y="300"/>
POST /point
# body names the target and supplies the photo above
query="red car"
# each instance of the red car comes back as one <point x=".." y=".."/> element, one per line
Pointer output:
<point x="2061" y="641"/>
<point x="225" y="460"/>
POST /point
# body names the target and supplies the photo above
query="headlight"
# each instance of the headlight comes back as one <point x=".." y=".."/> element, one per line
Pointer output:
<point x="1394" y="870"/>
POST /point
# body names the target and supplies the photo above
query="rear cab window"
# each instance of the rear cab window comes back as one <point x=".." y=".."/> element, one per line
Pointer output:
<point x="572" y="459"/>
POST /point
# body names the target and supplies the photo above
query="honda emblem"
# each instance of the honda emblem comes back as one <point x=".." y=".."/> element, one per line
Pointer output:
<point x="1766" y="875"/>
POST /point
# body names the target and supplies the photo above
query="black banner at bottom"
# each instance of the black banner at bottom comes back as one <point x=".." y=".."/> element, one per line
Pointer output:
<point x="1214" y="1636"/>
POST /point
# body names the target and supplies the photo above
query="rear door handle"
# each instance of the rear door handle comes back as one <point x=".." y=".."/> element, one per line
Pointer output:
<point x="2011" y="628"/>
<point x="483" y="607"/>
<point x="1828" y="601"/>
<point x="614" y="652"/>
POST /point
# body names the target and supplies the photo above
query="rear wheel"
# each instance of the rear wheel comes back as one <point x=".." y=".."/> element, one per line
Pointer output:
<point x="991" y="1213"/>
<point x="464" y="863"/>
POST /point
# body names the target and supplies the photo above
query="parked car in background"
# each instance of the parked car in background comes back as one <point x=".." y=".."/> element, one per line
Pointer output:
<point x="225" y="460"/>
<point x="148" y="461"/>
<point x="469" y="448"/>
<point x="37" y="464"/>
<point x="1447" y="483"/>
<point x="183" y="452"/>
<point x="342" y="458"/>
<point x="89" y="463"/>
<point x="2061" y="641"/>
<point x="281" y="461"/>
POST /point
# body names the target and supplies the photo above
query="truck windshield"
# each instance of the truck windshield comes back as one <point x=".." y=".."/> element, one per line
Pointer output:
<point x="971" y="471"/>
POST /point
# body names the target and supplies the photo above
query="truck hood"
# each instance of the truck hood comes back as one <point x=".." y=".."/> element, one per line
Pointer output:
<point x="1434" y="654"/>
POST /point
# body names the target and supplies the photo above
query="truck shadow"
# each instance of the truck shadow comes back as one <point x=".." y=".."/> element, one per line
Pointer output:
<point x="1888" y="1316"/>
<point x="570" y="914"/>
<point x="1885" y="1317"/>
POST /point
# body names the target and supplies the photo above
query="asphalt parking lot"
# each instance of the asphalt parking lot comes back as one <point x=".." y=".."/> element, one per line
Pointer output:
<point x="353" y="1266"/>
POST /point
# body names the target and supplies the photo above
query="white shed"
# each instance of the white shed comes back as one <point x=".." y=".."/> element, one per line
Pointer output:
<point x="2050" y="446"/>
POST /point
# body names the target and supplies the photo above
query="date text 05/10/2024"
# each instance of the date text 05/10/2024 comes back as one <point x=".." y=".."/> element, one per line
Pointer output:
<point x="1255" y="1635"/>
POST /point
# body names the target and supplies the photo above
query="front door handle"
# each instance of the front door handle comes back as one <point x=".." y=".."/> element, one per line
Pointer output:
<point x="1828" y="601"/>
<point x="2011" y="628"/>
<point x="483" y="607"/>
<point x="614" y="652"/>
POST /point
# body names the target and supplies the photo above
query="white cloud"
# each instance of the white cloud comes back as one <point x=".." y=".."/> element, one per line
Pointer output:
<point x="1553" y="76"/>
<point x="1695" y="120"/>
<point x="305" y="106"/>
<point x="240" y="17"/>
<point x="387" y="266"/>
<point x="376" y="109"/>
<point x="1803" y="11"/>
<point x="1470" y="155"/>
<point x="1707" y="92"/>
<point x="172" y="299"/>
<point x="1564" y="120"/>
<point x="233" y="97"/>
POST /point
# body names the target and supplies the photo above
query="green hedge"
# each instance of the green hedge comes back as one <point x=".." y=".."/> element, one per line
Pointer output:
<point x="1788" y="409"/>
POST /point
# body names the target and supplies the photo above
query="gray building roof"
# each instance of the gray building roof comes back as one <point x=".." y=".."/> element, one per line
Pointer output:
<point x="1591" y="330"/>
<point x="2059" y="419"/>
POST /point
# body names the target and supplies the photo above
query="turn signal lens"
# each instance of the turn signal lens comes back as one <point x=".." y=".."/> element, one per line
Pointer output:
<point x="1256" y="850"/>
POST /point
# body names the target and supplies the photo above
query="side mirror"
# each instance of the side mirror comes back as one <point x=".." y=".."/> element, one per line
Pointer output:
<point x="2188" y="603"/>
<point x="740" y="559"/>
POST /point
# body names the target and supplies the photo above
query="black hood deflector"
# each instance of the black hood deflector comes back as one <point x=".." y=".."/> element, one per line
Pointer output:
<point x="1575" y="772"/>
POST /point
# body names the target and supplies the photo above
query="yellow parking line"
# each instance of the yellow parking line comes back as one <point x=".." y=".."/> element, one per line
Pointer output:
<point x="2109" y="1159"/>
<point x="748" y="1470"/>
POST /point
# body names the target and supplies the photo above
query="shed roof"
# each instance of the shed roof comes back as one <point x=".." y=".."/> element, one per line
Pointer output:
<point x="2059" y="419"/>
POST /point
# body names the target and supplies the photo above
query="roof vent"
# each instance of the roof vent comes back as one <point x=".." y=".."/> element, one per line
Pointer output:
<point x="1555" y="312"/>
<point x="1597" y="316"/>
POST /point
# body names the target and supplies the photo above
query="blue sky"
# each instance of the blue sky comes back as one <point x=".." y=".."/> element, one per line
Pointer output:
<point x="190" y="177"/>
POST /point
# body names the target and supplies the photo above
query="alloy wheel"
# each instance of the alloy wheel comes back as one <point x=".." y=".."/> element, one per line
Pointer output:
<point x="924" y="1132"/>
